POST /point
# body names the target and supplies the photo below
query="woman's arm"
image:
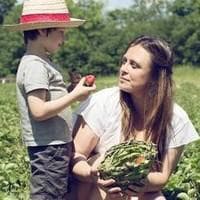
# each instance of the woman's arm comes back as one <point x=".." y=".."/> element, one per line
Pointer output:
<point x="83" y="168"/>
<point x="156" y="180"/>
<point x="84" y="143"/>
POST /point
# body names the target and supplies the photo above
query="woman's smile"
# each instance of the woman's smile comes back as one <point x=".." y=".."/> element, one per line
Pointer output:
<point x="123" y="79"/>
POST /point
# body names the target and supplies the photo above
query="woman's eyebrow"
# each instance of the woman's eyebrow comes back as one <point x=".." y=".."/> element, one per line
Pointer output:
<point x="133" y="61"/>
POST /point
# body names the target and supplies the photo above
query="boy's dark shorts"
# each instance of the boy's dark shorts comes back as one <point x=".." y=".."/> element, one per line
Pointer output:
<point x="50" y="171"/>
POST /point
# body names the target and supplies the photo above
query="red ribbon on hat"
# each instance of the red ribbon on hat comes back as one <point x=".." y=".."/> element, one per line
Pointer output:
<point x="32" y="18"/>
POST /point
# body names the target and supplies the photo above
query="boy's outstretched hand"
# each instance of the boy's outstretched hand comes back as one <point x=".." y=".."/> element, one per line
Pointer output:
<point x="84" y="87"/>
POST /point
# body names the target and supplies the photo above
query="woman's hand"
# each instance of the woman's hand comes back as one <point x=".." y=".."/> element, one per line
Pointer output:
<point x="134" y="190"/>
<point x="106" y="185"/>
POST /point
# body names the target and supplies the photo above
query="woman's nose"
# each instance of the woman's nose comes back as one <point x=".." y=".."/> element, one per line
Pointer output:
<point x="124" y="67"/>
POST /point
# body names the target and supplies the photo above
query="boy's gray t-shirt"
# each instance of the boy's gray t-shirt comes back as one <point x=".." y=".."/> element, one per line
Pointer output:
<point x="35" y="73"/>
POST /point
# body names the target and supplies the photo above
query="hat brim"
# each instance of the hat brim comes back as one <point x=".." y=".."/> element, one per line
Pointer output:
<point x="40" y="25"/>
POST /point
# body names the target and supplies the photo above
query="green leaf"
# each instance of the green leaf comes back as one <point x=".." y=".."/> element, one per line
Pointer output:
<point x="183" y="196"/>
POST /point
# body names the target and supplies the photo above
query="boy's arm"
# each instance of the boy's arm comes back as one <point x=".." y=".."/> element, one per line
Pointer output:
<point x="41" y="109"/>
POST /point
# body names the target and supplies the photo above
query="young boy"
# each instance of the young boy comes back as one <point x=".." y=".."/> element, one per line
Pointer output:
<point x="43" y="99"/>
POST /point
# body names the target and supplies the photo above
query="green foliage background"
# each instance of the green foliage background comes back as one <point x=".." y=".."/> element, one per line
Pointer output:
<point x="96" y="46"/>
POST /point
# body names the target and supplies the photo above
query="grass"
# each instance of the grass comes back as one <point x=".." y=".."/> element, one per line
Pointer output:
<point x="13" y="185"/>
<point x="187" y="74"/>
<point x="106" y="81"/>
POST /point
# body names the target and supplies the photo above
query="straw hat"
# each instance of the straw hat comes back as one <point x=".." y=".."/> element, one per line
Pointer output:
<point x="38" y="14"/>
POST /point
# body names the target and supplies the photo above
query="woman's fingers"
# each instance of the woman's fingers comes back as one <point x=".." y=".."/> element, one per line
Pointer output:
<point x="133" y="190"/>
<point x="106" y="183"/>
<point x="114" y="190"/>
<point x="115" y="195"/>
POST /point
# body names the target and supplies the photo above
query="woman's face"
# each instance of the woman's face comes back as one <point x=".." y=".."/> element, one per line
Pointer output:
<point x="135" y="70"/>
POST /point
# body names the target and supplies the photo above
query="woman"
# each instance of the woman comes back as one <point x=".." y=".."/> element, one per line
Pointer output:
<point x="141" y="107"/>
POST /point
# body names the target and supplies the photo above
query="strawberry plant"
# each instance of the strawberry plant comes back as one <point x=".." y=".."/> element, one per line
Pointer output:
<point x="14" y="167"/>
<point x="185" y="182"/>
<point x="13" y="162"/>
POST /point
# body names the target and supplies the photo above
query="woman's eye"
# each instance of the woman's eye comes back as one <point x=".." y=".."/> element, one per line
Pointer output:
<point x="134" y="65"/>
<point x="124" y="60"/>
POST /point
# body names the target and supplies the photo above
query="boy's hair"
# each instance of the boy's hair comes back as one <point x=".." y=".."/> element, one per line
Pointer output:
<point x="33" y="34"/>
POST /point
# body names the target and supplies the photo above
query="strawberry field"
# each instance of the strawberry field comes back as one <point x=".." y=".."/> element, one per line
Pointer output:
<point x="14" y="169"/>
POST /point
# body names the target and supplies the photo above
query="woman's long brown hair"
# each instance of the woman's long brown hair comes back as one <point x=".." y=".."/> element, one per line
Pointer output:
<point x="158" y="99"/>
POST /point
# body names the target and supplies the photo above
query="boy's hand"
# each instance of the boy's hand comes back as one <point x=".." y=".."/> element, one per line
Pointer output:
<point x="81" y="91"/>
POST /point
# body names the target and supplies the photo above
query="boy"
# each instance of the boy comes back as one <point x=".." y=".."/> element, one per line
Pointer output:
<point x="43" y="99"/>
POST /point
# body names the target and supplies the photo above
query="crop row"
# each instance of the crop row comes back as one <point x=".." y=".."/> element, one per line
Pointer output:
<point x="14" y="168"/>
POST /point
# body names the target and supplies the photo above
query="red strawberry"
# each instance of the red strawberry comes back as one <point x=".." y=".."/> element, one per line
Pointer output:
<point x="89" y="80"/>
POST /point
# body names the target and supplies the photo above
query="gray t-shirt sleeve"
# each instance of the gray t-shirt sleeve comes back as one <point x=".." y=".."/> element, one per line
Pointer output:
<point x="36" y="76"/>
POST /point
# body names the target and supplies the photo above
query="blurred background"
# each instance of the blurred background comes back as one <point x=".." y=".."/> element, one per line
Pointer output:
<point x="96" y="48"/>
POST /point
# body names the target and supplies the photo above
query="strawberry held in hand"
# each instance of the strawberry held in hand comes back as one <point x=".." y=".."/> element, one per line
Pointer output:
<point x="89" y="80"/>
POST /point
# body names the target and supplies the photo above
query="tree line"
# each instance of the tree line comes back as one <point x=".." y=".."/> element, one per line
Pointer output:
<point x="97" y="46"/>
